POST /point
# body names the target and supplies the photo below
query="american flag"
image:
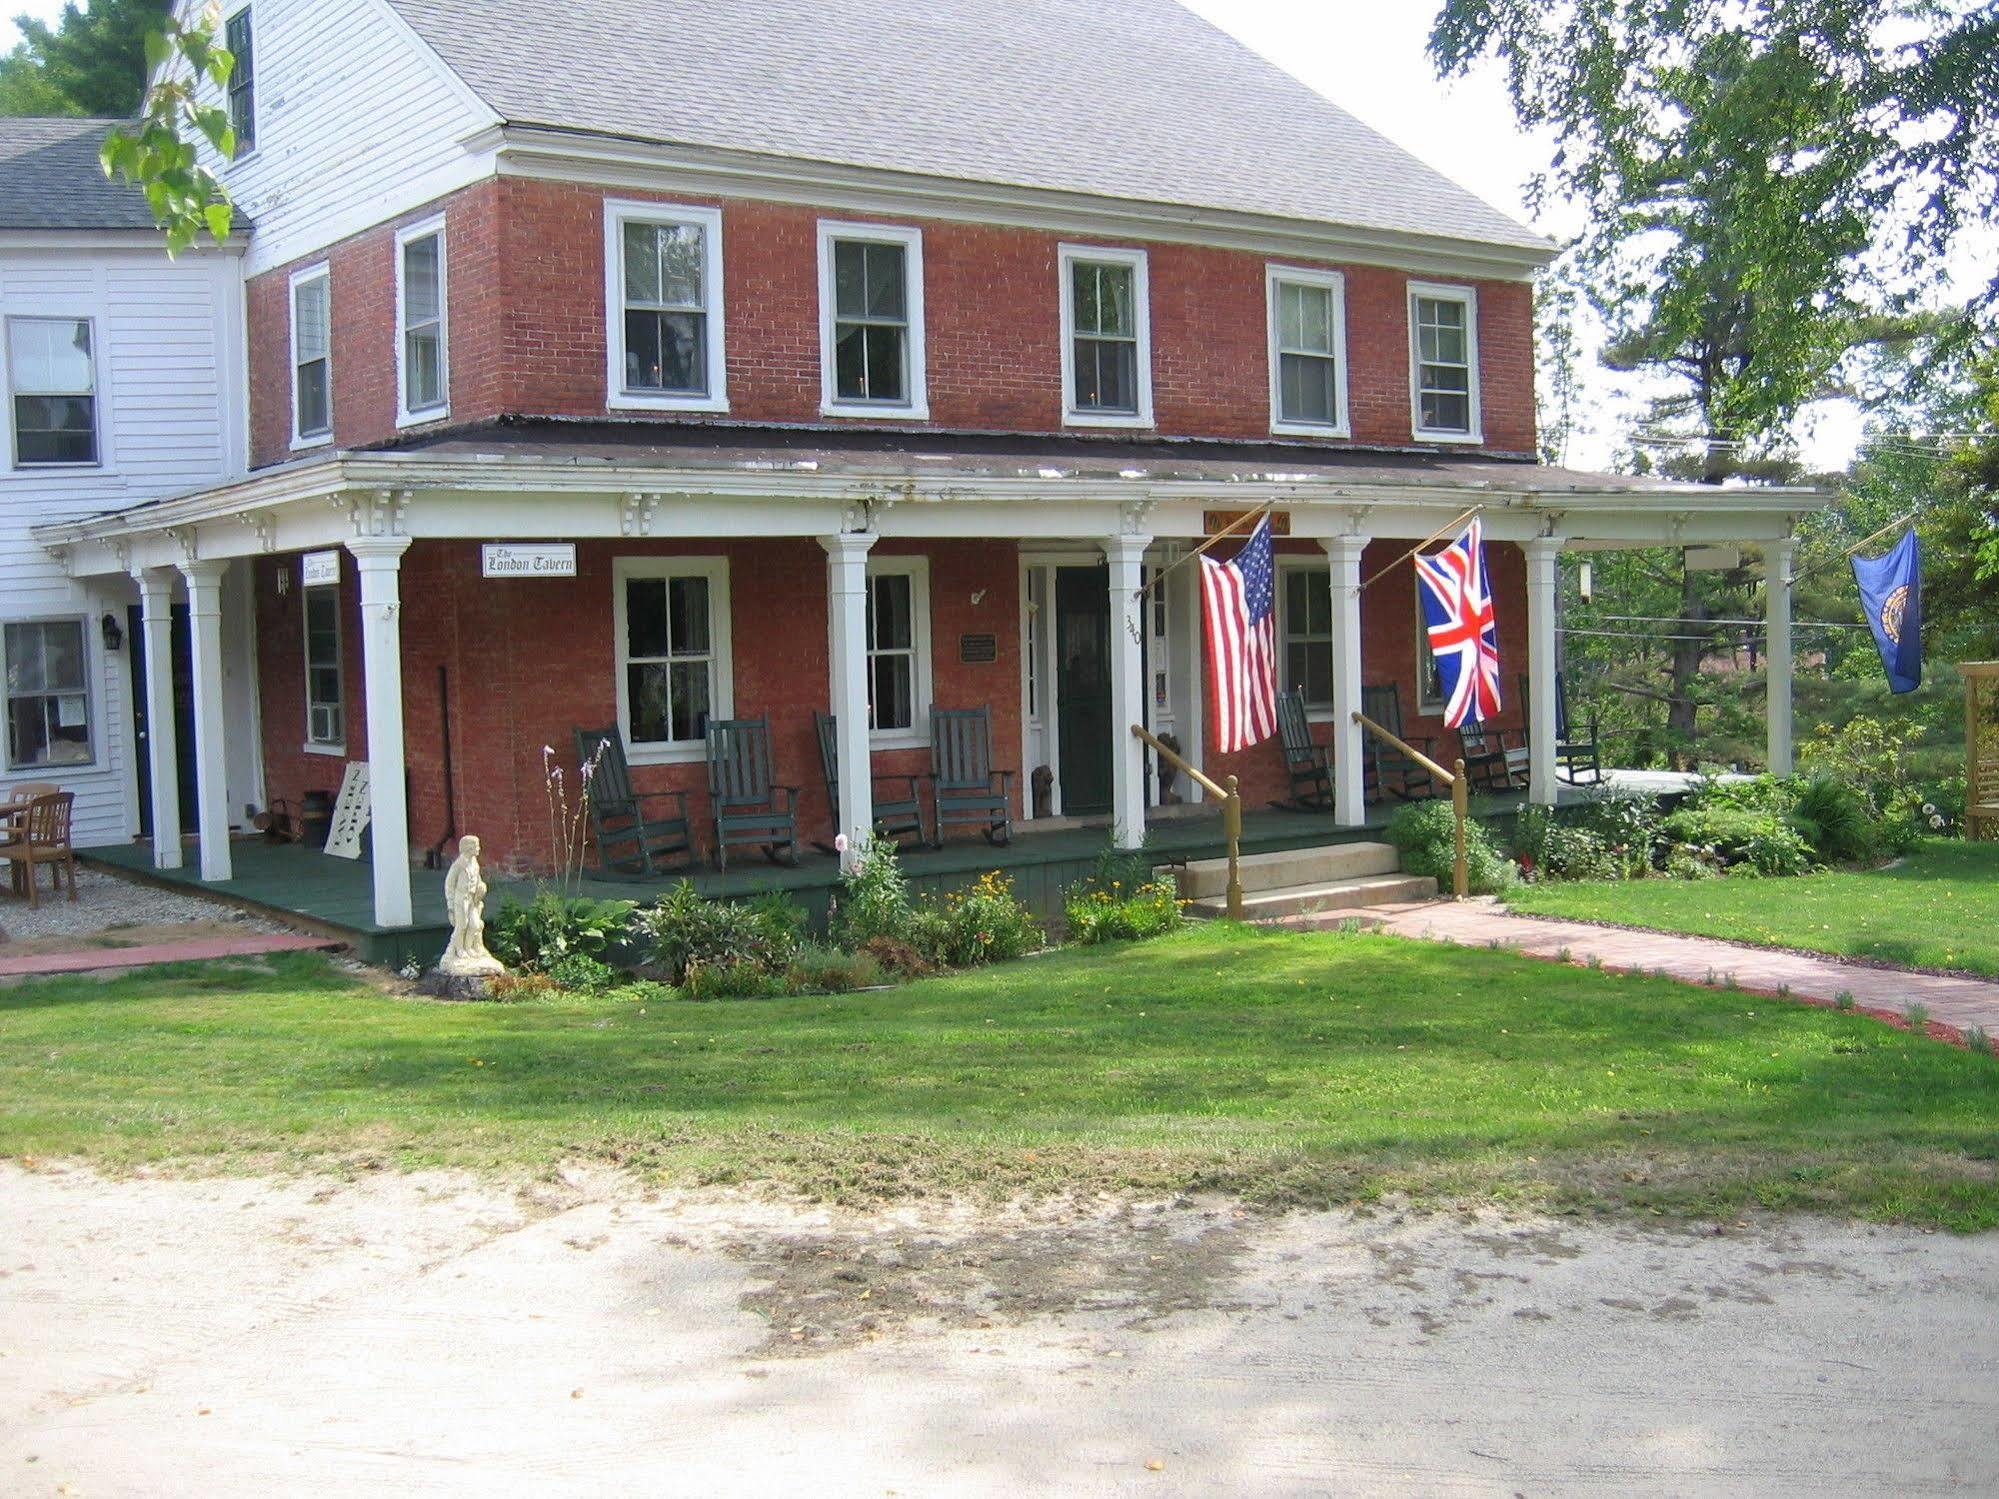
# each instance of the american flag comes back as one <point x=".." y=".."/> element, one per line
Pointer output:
<point x="1239" y="604"/>
<point x="1464" y="633"/>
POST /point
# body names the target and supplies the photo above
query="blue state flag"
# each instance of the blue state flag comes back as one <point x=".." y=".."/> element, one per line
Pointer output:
<point x="1891" y="591"/>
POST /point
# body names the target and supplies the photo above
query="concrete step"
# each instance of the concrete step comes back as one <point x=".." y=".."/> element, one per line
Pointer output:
<point x="1323" y="865"/>
<point x="1337" y="895"/>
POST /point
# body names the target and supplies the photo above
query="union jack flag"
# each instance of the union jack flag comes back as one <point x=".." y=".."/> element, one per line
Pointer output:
<point x="1464" y="634"/>
<point x="1239" y="606"/>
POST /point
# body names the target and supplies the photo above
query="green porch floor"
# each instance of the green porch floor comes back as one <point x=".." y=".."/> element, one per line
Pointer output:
<point x="337" y="895"/>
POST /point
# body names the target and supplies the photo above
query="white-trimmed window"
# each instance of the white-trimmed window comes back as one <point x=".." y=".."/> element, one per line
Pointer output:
<point x="1106" y="338"/>
<point x="871" y="358"/>
<point x="52" y="375"/>
<point x="312" y="357"/>
<point x="899" y="649"/>
<point x="423" y="360"/>
<point x="1308" y="351"/>
<point x="1443" y="349"/>
<point x="1305" y="631"/>
<point x="325" y="686"/>
<point x="1429" y="680"/>
<point x="672" y="622"/>
<point x="663" y="299"/>
<point x="239" y="37"/>
<point x="48" y="694"/>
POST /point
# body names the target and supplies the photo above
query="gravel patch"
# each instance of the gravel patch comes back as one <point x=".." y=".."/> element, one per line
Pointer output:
<point x="105" y="903"/>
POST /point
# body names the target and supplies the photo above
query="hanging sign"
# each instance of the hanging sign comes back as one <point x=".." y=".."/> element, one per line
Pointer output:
<point x="1214" y="522"/>
<point x="318" y="569"/>
<point x="542" y="559"/>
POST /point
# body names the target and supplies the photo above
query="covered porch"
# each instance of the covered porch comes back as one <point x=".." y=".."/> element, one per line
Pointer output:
<point x="1024" y="568"/>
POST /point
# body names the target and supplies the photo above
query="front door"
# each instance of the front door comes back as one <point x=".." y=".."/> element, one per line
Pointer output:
<point x="1083" y="688"/>
<point x="183" y="654"/>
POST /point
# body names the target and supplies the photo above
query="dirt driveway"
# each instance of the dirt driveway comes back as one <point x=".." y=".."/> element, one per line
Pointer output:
<point x="431" y="1335"/>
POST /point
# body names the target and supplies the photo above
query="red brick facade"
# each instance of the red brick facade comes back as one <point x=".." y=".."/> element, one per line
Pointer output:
<point x="529" y="660"/>
<point x="527" y="327"/>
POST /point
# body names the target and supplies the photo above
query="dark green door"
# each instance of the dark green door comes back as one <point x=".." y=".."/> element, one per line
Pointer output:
<point x="183" y="715"/>
<point x="1083" y="687"/>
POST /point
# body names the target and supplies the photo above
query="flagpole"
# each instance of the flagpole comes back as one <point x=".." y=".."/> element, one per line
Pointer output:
<point x="1222" y="535"/>
<point x="1437" y="535"/>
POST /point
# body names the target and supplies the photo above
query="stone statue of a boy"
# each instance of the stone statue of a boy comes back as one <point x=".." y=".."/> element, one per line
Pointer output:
<point x="465" y="904"/>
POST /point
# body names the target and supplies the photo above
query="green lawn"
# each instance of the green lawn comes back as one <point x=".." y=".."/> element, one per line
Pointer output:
<point x="1937" y="909"/>
<point x="1289" y="1068"/>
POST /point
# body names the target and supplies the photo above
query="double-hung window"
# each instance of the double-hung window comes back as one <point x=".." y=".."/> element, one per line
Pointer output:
<point x="1429" y="680"/>
<point x="424" y="358"/>
<point x="663" y="289"/>
<point x="1307" y="623"/>
<point x="312" y="357"/>
<point x="871" y="356"/>
<point x="898" y="647"/>
<point x="1443" y="327"/>
<point x="1106" y="338"/>
<point x="672" y="621"/>
<point x="52" y="372"/>
<point x="240" y="40"/>
<point x="325" y="696"/>
<point x="1308" y="394"/>
<point x="48" y="694"/>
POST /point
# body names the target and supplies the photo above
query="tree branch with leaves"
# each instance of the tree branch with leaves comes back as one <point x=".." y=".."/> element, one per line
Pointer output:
<point x="160" y="152"/>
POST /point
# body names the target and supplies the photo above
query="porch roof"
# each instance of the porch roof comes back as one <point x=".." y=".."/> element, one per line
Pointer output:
<point x="535" y="478"/>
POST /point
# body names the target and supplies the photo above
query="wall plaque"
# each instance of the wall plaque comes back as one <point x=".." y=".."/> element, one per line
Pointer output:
<point x="978" y="650"/>
<point x="1214" y="522"/>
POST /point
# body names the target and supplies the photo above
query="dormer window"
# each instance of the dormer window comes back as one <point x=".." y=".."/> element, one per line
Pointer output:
<point x="1443" y="334"/>
<point x="871" y="321"/>
<point x="663" y="267"/>
<point x="240" y="41"/>
<point x="1106" y="338"/>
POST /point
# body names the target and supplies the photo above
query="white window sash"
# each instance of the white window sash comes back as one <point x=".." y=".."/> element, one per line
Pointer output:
<point x="408" y="413"/>
<point x="301" y="281"/>
<point x="1467" y="297"/>
<point x="17" y="387"/>
<point x="51" y="697"/>
<point x="1293" y="632"/>
<point x="1068" y="257"/>
<point x="314" y="743"/>
<point x="719" y="658"/>
<point x="1276" y="278"/>
<point x="916" y="406"/>
<point x="709" y="221"/>
<point x="917" y="570"/>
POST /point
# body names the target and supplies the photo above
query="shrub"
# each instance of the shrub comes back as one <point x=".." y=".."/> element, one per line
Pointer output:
<point x="551" y="927"/>
<point x="1551" y="849"/>
<point x="1761" y="840"/>
<point x="643" y="992"/>
<point x="874" y="898"/>
<point x="1121" y="914"/>
<point x="1751" y="794"/>
<point x="986" y="924"/>
<point x="582" y="974"/>
<point x="1625" y="823"/>
<point x="518" y="987"/>
<point x="896" y="957"/>
<point x="827" y="970"/>
<point x="1425" y="834"/>
<point x="683" y="933"/>
<point x="1834" y="819"/>
<point x="733" y="981"/>
<point x="1685" y="862"/>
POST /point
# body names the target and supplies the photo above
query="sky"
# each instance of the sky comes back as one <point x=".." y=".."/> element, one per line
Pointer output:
<point x="1368" y="56"/>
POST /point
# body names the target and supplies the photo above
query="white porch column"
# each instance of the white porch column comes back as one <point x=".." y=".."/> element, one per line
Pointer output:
<point x="1349" y="784"/>
<point x="847" y="656"/>
<point x="1543" y="574"/>
<point x="379" y="560"/>
<point x="1777" y="559"/>
<point x="1126" y="556"/>
<point x="156" y="625"/>
<point x="211" y="758"/>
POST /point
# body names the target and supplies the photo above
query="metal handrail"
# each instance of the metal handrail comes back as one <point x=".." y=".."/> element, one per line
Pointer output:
<point x="1460" y="797"/>
<point x="1231" y="798"/>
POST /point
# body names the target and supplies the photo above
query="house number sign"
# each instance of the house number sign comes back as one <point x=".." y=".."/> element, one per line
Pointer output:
<point x="553" y="559"/>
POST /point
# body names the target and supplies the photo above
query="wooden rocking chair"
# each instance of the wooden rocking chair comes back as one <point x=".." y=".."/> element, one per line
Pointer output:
<point x="1573" y="754"/>
<point x="896" y="816"/>
<point x="1387" y="771"/>
<point x="632" y="839"/>
<point x="1309" y="765"/>
<point x="749" y="811"/>
<point x="1489" y="761"/>
<point x="964" y="786"/>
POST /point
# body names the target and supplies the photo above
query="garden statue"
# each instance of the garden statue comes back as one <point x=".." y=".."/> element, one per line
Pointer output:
<point x="465" y="904"/>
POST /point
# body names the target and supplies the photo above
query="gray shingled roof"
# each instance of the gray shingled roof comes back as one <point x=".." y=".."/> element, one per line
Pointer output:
<point x="50" y="179"/>
<point x="1133" y="99"/>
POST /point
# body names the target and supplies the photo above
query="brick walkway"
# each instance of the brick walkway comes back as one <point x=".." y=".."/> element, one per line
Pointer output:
<point x="1955" y="1002"/>
<point x="98" y="959"/>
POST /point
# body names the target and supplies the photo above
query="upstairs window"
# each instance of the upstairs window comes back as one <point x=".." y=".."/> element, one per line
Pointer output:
<point x="420" y="311"/>
<point x="241" y="45"/>
<point x="1106" y="338"/>
<point x="664" y="268"/>
<point x="312" y="359"/>
<point x="1307" y="352"/>
<point x="871" y="321"/>
<point x="48" y="694"/>
<point x="672" y="622"/>
<point x="52" y="372"/>
<point x="1443" y="324"/>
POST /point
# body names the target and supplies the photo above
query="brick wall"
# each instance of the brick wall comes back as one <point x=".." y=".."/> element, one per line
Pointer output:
<point x="526" y="273"/>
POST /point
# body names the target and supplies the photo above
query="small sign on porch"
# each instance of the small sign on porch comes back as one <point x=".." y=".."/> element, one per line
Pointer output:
<point x="546" y="559"/>
<point x="978" y="650"/>
<point x="1214" y="522"/>
<point x="319" y="569"/>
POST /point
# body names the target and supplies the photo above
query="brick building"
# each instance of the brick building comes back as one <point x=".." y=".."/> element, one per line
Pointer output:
<point x="649" y="365"/>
